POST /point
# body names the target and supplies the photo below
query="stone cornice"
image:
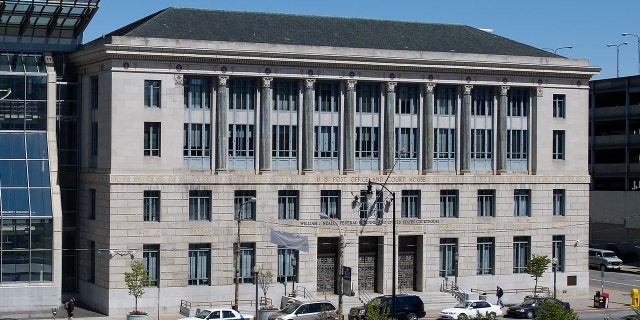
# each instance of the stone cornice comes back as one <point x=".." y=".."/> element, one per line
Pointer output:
<point x="342" y="58"/>
<point x="239" y="179"/>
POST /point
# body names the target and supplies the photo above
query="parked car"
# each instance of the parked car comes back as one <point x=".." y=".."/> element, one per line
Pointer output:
<point x="530" y="307"/>
<point x="220" y="313"/>
<point x="468" y="309"/>
<point x="306" y="310"/>
<point x="604" y="259"/>
<point x="408" y="307"/>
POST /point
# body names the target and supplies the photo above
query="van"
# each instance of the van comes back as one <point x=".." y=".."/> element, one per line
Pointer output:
<point x="604" y="259"/>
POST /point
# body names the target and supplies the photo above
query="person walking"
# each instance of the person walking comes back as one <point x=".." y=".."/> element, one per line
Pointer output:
<point x="499" y="293"/>
<point x="70" y="306"/>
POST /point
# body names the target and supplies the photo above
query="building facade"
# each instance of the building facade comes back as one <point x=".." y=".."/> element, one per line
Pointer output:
<point x="615" y="163"/>
<point x="474" y="143"/>
<point x="38" y="155"/>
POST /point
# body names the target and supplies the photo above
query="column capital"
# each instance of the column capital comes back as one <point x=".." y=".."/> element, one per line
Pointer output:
<point x="309" y="83"/>
<point x="391" y="86"/>
<point x="351" y="84"/>
<point x="503" y="90"/>
<point x="467" y="88"/>
<point x="222" y="80"/>
<point x="428" y="88"/>
<point x="266" y="82"/>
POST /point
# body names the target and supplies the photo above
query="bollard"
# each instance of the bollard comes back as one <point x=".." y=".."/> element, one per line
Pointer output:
<point x="635" y="298"/>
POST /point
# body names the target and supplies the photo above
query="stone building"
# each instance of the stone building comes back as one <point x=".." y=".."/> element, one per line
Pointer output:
<point x="477" y="144"/>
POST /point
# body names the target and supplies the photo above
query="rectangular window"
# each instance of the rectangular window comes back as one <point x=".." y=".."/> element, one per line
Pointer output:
<point x="152" y="139"/>
<point x="407" y="96"/>
<point x="406" y="143"/>
<point x="559" y="105"/>
<point x="152" y="93"/>
<point x="374" y="209"/>
<point x="521" y="253"/>
<point x="94" y="92"/>
<point x="486" y="251"/>
<point x="151" y="205"/>
<point x="448" y="203"/>
<point x="558" y="144"/>
<point x="284" y="142"/>
<point x="410" y="204"/>
<point x="92" y="261"/>
<point x="285" y="94"/>
<point x="94" y="139"/>
<point x="197" y="140"/>
<point x="367" y="142"/>
<point x="243" y="205"/>
<point x="368" y="95"/>
<point x="287" y="264"/>
<point x="288" y="204"/>
<point x="445" y="143"/>
<point x="199" y="205"/>
<point x="326" y="142"/>
<point x="518" y="103"/>
<point x="558" y="252"/>
<point x="517" y="144"/>
<point x="199" y="264"/>
<point x="522" y="203"/>
<point x="247" y="262"/>
<point x="327" y="96"/>
<point x="197" y="93"/>
<point x="241" y="140"/>
<point x="151" y="262"/>
<point x="446" y="100"/>
<point x="481" y="144"/>
<point x="242" y="94"/>
<point x="93" y="205"/>
<point x="330" y="203"/>
<point x="448" y="255"/>
<point x="558" y="202"/>
<point x="486" y="203"/>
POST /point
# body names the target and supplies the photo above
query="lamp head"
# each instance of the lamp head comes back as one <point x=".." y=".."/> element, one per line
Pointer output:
<point x="251" y="200"/>
<point x="323" y="215"/>
<point x="369" y="188"/>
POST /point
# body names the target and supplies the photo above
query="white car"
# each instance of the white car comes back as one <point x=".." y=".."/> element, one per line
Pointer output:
<point x="220" y="313"/>
<point x="469" y="309"/>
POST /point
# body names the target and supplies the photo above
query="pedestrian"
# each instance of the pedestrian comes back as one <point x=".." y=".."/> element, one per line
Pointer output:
<point x="499" y="293"/>
<point x="70" y="306"/>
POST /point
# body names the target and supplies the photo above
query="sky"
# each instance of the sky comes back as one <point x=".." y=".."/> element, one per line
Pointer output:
<point x="585" y="25"/>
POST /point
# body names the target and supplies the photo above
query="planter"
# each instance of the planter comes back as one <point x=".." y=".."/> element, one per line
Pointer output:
<point x="137" y="317"/>
<point x="264" y="314"/>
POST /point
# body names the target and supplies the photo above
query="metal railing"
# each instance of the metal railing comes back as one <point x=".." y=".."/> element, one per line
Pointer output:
<point x="452" y="288"/>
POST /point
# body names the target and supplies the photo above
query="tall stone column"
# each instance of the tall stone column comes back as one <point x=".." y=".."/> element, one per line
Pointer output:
<point x="222" y="130"/>
<point x="266" y="102"/>
<point x="307" y="125"/>
<point x="349" y="153"/>
<point x="503" y="104"/>
<point x="465" y="130"/>
<point x="427" y="129"/>
<point x="389" y="138"/>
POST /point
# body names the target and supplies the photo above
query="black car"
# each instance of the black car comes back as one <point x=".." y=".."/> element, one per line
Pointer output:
<point x="530" y="306"/>
<point x="408" y="307"/>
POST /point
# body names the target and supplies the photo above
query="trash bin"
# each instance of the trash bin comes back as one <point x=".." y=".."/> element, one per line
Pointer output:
<point x="596" y="300"/>
<point x="635" y="298"/>
<point x="605" y="300"/>
<point x="482" y="296"/>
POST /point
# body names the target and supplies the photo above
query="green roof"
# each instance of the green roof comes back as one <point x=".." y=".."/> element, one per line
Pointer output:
<point x="306" y="30"/>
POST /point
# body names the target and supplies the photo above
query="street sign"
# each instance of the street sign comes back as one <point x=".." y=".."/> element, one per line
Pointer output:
<point x="346" y="273"/>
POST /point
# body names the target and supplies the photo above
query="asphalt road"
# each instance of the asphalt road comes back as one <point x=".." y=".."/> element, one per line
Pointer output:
<point x="614" y="280"/>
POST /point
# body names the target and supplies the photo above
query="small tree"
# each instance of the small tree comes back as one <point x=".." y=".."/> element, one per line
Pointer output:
<point x="552" y="311"/>
<point x="136" y="280"/>
<point x="536" y="267"/>
<point x="265" y="280"/>
<point x="375" y="311"/>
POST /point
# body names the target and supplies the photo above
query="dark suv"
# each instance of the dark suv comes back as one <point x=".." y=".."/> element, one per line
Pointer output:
<point x="408" y="307"/>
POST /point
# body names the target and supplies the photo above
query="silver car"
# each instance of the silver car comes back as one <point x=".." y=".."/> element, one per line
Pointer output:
<point x="306" y="310"/>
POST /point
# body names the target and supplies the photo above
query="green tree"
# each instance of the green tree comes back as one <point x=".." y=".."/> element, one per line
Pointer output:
<point x="552" y="311"/>
<point x="375" y="311"/>
<point x="136" y="280"/>
<point x="536" y="267"/>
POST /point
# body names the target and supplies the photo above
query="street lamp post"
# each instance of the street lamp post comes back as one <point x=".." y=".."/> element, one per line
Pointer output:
<point x="294" y="262"/>
<point x="340" y="258"/>
<point x="637" y="37"/>
<point x="554" y="264"/>
<point x="617" y="56"/>
<point x="393" y="230"/>
<point x="237" y="250"/>
<point x="555" y="51"/>
<point x="455" y="260"/>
